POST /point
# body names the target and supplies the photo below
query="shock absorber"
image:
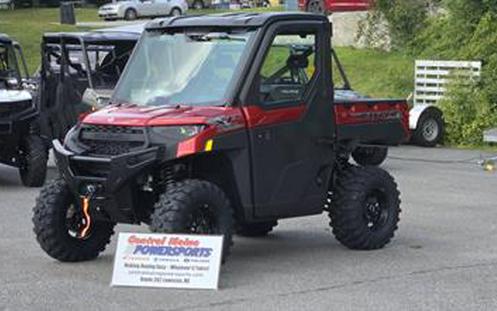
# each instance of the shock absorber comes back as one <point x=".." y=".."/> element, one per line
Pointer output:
<point x="168" y="175"/>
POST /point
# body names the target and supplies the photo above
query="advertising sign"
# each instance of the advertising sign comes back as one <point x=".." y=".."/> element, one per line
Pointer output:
<point x="167" y="260"/>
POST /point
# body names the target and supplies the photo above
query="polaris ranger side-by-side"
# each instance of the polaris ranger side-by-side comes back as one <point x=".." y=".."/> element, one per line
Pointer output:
<point x="20" y="143"/>
<point x="223" y="124"/>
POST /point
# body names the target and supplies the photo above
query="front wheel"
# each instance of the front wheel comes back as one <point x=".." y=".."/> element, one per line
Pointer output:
<point x="175" y="12"/>
<point x="195" y="207"/>
<point x="370" y="156"/>
<point x="130" y="14"/>
<point x="58" y="224"/>
<point x="33" y="158"/>
<point x="365" y="208"/>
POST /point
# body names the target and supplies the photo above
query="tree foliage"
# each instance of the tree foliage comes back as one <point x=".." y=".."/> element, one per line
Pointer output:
<point x="454" y="30"/>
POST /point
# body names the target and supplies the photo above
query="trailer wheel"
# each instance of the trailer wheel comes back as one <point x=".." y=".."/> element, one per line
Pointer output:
<point x="365" y="208"/>
<point x="255" y="229"/>
<point x="316" y="6"/>
<point x="33" y="158"/>
<point x="430" y="128"/>
<point x="57" y="220"/>
<point x="196" y="207"/>
<point x="370" y="156"/>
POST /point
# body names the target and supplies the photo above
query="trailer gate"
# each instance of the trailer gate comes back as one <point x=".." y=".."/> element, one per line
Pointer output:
<point x="432" y="77"/>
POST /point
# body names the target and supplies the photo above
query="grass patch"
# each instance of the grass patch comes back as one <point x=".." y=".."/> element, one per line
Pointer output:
<point x="378" y="74"/>
<point x="27" y="26"/>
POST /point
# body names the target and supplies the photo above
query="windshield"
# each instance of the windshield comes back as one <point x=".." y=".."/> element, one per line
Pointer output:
<point x="8" y="63"/>
<point x="105" y="61"/>
<point x="182" y="69"/>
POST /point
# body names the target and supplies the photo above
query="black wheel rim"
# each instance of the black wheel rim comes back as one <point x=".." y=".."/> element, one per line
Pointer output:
<point x="75" y="222"/>
<point x="203" y="221"/>
<point x="376" y="212"/>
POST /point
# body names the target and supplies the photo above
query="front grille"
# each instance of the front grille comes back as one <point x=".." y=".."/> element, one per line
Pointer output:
<point x="112" y="140"/>
<point x="10" y="109"/>
<point x="87" y="168"/>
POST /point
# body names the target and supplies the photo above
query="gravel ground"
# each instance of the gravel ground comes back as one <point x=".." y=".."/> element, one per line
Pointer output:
<point x="444" y="256"/>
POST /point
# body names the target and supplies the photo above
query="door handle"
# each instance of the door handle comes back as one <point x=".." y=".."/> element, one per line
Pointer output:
<point x="264" y="135"/>
<point x="326" y="141"/>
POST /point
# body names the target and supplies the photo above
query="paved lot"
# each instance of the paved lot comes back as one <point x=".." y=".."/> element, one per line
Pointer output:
<point x="444" y="256"/>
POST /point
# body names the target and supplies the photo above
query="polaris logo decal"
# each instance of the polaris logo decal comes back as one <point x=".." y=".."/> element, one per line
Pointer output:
<point x="373" y="116"/>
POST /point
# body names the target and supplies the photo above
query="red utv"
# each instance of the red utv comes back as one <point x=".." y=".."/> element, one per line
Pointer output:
<point x="222" y="124"/>
<point x="330" y="6"/>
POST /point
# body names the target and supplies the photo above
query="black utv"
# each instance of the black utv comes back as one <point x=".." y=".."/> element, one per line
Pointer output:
<point x="20" y="142"/>
<point x="78" y="72"/>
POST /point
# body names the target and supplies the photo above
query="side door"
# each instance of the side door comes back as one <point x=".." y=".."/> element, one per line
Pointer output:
<point x="163" y="7"/>
<point x="291" y="127"/>
<point x="145" y="7"/>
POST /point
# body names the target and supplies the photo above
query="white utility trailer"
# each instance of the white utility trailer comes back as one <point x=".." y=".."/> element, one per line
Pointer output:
<point x="431" y="79"/>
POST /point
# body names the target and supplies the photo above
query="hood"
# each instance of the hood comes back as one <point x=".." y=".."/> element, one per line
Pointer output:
<point x="10" y="96"/>
<point x="160" y="116"/>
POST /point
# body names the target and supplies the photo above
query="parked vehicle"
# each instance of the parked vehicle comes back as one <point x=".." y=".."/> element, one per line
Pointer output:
<point x="20" y="143"/>
<point x="7" y="4"/>
<point x="79" y="72"/>
<point x="133" y="9"/>
<point x="235" y="138"/>
<point x="330" y="6"/>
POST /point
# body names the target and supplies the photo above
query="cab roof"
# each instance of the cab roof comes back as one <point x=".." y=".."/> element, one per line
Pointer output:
<point x="123" y="33"/>
<point x="242" y="20"/>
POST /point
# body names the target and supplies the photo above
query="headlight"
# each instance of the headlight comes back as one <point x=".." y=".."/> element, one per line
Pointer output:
<point x="165" y="134"/>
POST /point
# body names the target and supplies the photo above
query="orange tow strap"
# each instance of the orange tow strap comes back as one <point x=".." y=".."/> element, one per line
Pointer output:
<point x="86" y="215"/>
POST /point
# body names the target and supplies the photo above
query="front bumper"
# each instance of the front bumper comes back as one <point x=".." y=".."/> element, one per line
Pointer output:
<point x="112" y="177"/>
<point x="108" y="15"/>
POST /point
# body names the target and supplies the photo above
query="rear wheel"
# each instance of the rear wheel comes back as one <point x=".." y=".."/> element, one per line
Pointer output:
<point x="130" y="14"/>
<point x="370" y="156"/>
<point x="365" y="208"/>
<point x="316" y="6"/>
<point x="195" y="207"/>
<point x="58" y="222"/>
<point x="255" y="229"/>
<point x="430" y="128"/>
<point x="33" y="158"/>
<point x="198" y="5"/>
<point x="175" y="12"/>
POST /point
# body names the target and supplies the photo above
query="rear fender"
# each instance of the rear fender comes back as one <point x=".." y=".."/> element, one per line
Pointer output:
<point x="417" y="111"/>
